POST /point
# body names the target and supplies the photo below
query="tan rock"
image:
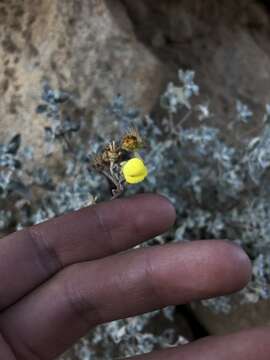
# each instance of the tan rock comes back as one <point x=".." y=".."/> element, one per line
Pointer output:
<point x="225" y="42"/>
<point x="87" y="47"/>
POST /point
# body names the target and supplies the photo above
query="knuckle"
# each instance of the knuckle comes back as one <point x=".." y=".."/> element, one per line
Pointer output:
<point x="46" y="254"/>
<point x="152" y="278"/>
<point x="81" y="304"/>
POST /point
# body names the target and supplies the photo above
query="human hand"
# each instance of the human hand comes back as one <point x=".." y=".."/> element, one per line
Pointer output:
<point x="63" y="277"/>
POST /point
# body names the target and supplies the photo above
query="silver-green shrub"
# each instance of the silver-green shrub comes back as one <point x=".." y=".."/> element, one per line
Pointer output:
<point x="216" y="177"/>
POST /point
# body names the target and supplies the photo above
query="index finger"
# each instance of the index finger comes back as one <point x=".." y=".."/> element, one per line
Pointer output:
<point x="31" y="256"/>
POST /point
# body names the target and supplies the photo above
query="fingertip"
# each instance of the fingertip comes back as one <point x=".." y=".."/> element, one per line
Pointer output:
<point x="234" y="265"/>
<point x="135" y="219"/>
<point x="167" y="208"/>
<point x="243" y="262"/>
<point x="157" y="210"/>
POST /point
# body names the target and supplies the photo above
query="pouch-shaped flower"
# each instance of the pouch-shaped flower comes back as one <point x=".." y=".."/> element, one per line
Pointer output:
<point x="134" y="171"/>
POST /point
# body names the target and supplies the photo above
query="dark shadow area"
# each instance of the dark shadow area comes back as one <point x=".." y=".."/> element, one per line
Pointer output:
<point x="198" y="329"/>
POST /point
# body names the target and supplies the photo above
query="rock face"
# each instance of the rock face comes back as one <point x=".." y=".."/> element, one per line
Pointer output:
<point x="226" y="43"/>
<point x="95" y="50"/>
<point x="87" y="47"/>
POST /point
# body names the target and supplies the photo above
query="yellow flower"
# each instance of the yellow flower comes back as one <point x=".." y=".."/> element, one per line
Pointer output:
<point x="134" y="171"/>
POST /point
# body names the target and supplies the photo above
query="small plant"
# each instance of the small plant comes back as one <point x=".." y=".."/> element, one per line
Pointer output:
<point x="121" y="163"/>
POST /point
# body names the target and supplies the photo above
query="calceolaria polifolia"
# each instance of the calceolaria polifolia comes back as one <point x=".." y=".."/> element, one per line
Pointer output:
<point x="121" y="163"/>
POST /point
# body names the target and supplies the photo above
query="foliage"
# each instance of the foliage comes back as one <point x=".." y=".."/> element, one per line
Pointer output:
<point x="218" y="183"/>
